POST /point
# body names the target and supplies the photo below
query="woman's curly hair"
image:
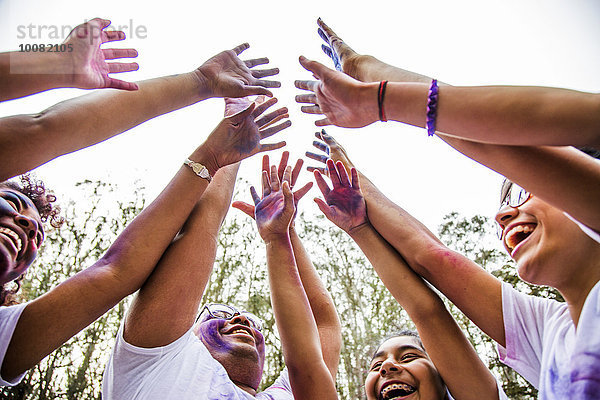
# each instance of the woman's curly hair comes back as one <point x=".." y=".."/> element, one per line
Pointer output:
<point x="43" y="200"/>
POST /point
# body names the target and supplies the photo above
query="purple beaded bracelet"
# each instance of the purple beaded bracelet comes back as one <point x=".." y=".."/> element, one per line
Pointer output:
<point x="432" y="101"/>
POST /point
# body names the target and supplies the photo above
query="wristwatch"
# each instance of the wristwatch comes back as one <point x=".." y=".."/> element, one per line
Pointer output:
<point x="198" y="169"/>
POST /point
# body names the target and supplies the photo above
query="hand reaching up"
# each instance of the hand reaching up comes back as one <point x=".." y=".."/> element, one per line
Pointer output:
<point x="239" y="135"/>
<point x="332" y="149"/>
<point x="344" y="205"/>
<point x="266" y="169"/>
<point x="88" y="60"/>
<point x="275" y="210"/>
<point x="227" y="76"/>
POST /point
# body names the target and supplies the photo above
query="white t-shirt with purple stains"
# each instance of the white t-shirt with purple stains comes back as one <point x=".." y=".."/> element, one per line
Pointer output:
<point x="181" y="370"/>
<point x="543" y="345"/>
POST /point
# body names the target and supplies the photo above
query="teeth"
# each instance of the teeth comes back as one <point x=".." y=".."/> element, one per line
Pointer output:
<point x="396" y="386"/>
<point x="241" y="331"/>
<point x="509" y="237"/>
<point x="13" y="236"/>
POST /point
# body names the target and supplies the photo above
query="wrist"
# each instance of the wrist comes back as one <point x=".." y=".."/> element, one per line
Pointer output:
<point x="277" y="239"/>
<point x="368" y="97"/>
<point x="205" y="157"/>
<point x="202" y="84"/>
<point x="360" y="230"/>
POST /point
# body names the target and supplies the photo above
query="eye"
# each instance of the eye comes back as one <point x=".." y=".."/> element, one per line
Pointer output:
<point x="409" y="357"/>
<point x="12" y="203"/>
<point x="376" y="366"/>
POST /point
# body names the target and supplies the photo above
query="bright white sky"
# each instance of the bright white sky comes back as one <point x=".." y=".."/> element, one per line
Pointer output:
<point x="520" y="42"/>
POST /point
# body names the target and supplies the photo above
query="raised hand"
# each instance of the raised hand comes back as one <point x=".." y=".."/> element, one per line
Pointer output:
<point x="332" y="149"/>
<point x="344" y="58"/>
<point x="239" y="135"/>
<point x="343" y="101"/>
<point x="275" y="210"/>
<point x="90" y="69"/>
<point x="266" y="168"/>
<point x="225" y="75"/>
<point x="344" y="205"/>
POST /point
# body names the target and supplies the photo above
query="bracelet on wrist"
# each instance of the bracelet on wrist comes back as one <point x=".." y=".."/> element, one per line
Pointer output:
<point x="432" y="102"/>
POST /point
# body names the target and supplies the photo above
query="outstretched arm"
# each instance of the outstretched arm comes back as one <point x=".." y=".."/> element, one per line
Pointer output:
<point x="80" y="63"/>
<point x="81" y="122"/>
<point x="309" y="376"/>
<point x="573" y="172"/>
<point x="77" y="302"/>
<point x="476" y="292"/>
<point x="512" y="115"/>
<point x="321" y="302"/>
<point x="456" y="360"/>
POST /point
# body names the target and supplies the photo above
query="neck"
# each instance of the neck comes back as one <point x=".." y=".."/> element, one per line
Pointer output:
<point x="245" y="387"/>
<point x="576" y="294"/>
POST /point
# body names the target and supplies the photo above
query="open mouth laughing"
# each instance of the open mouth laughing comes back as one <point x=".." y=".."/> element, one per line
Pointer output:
<point x="241" y="330"/>
<point x="13" y="236"/>
<point x="396" y="391"/>
<point x="516" y="234"/>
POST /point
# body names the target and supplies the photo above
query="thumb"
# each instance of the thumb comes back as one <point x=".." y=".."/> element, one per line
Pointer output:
<point x="315" y="67"/>
<point x="244" y="207"/>
<point x="288" y="196"/>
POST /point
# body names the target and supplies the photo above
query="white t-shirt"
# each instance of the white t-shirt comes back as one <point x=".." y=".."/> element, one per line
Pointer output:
<point x="9" y="316"/>
<point x="543" y="345"/>
<point x="181" y="370"/>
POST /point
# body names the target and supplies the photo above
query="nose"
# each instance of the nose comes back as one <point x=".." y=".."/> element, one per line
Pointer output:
<point x="387" y="367"/>
<point x="29" y="225"/>
<point x="505" y="214"/>
<point x="240" y="319"/>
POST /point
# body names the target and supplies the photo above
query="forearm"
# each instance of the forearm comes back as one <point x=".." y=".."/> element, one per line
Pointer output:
<point x="502" y="114"/>
<point x="160" y="313"/>
<point x="574" y="176"/>
<point x="25" y="73"/>
<point x="454" y="357"/>
<point x="321" y="304"/>
<point x="86" y="120"/>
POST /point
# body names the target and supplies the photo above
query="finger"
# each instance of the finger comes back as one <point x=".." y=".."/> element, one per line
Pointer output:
<point x="342" y="173"/>
<point x="100" y="22"/>
<point x="297" y="170"/>
<point x="274" y="129"/>
<point x="311" y="109"/>
<point x="288" y="197"/>
<point x="262" y="107"/>
<point x="256" y="61"/>
<point x="111" y="54"/>
<point x="282" y="164"/>
<point x="317" y="157"/>
<point x="309" y="98"/>
<point x="267" y="118"/>
<point x="114" y="68"/>
<point x="320" y="169"/>
<point x="112" y="36"/>
<point x="275" y="185"/>
<point x="248" y="90"/>
<point x="119" y="84"/>
<point x="327" y="51"/>
<point x="298" y="194"/>
<point x="355" y="182"/>
<point x="254" y="195"/>
<point x="268" y="84"/>
<point x="333" y="174"/>
<point x="287" y="174"/>
<point x="265" y="163"/>
<point x="323" y="35"/>
<point x="323" y="187"/>
<point x="321" y="146"/>
<point x="327" y="138"/>
<point x="306" y="85"/>
<point x="239" y="49"/>
<point x="270" y="146"/>
<point x="323" y="122"/>
<point x="266" y="182"/>
<point x="261" y="73"/>
<point x="272" y="122"/>
<point x="248" y="209"/>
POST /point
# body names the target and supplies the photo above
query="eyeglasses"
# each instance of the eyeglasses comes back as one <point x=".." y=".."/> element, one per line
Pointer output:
<point x="225" y="311"/>
<point x="515" y="198"/>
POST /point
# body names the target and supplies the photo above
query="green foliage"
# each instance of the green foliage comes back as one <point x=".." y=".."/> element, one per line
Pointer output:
<point x="367" y="310"/>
